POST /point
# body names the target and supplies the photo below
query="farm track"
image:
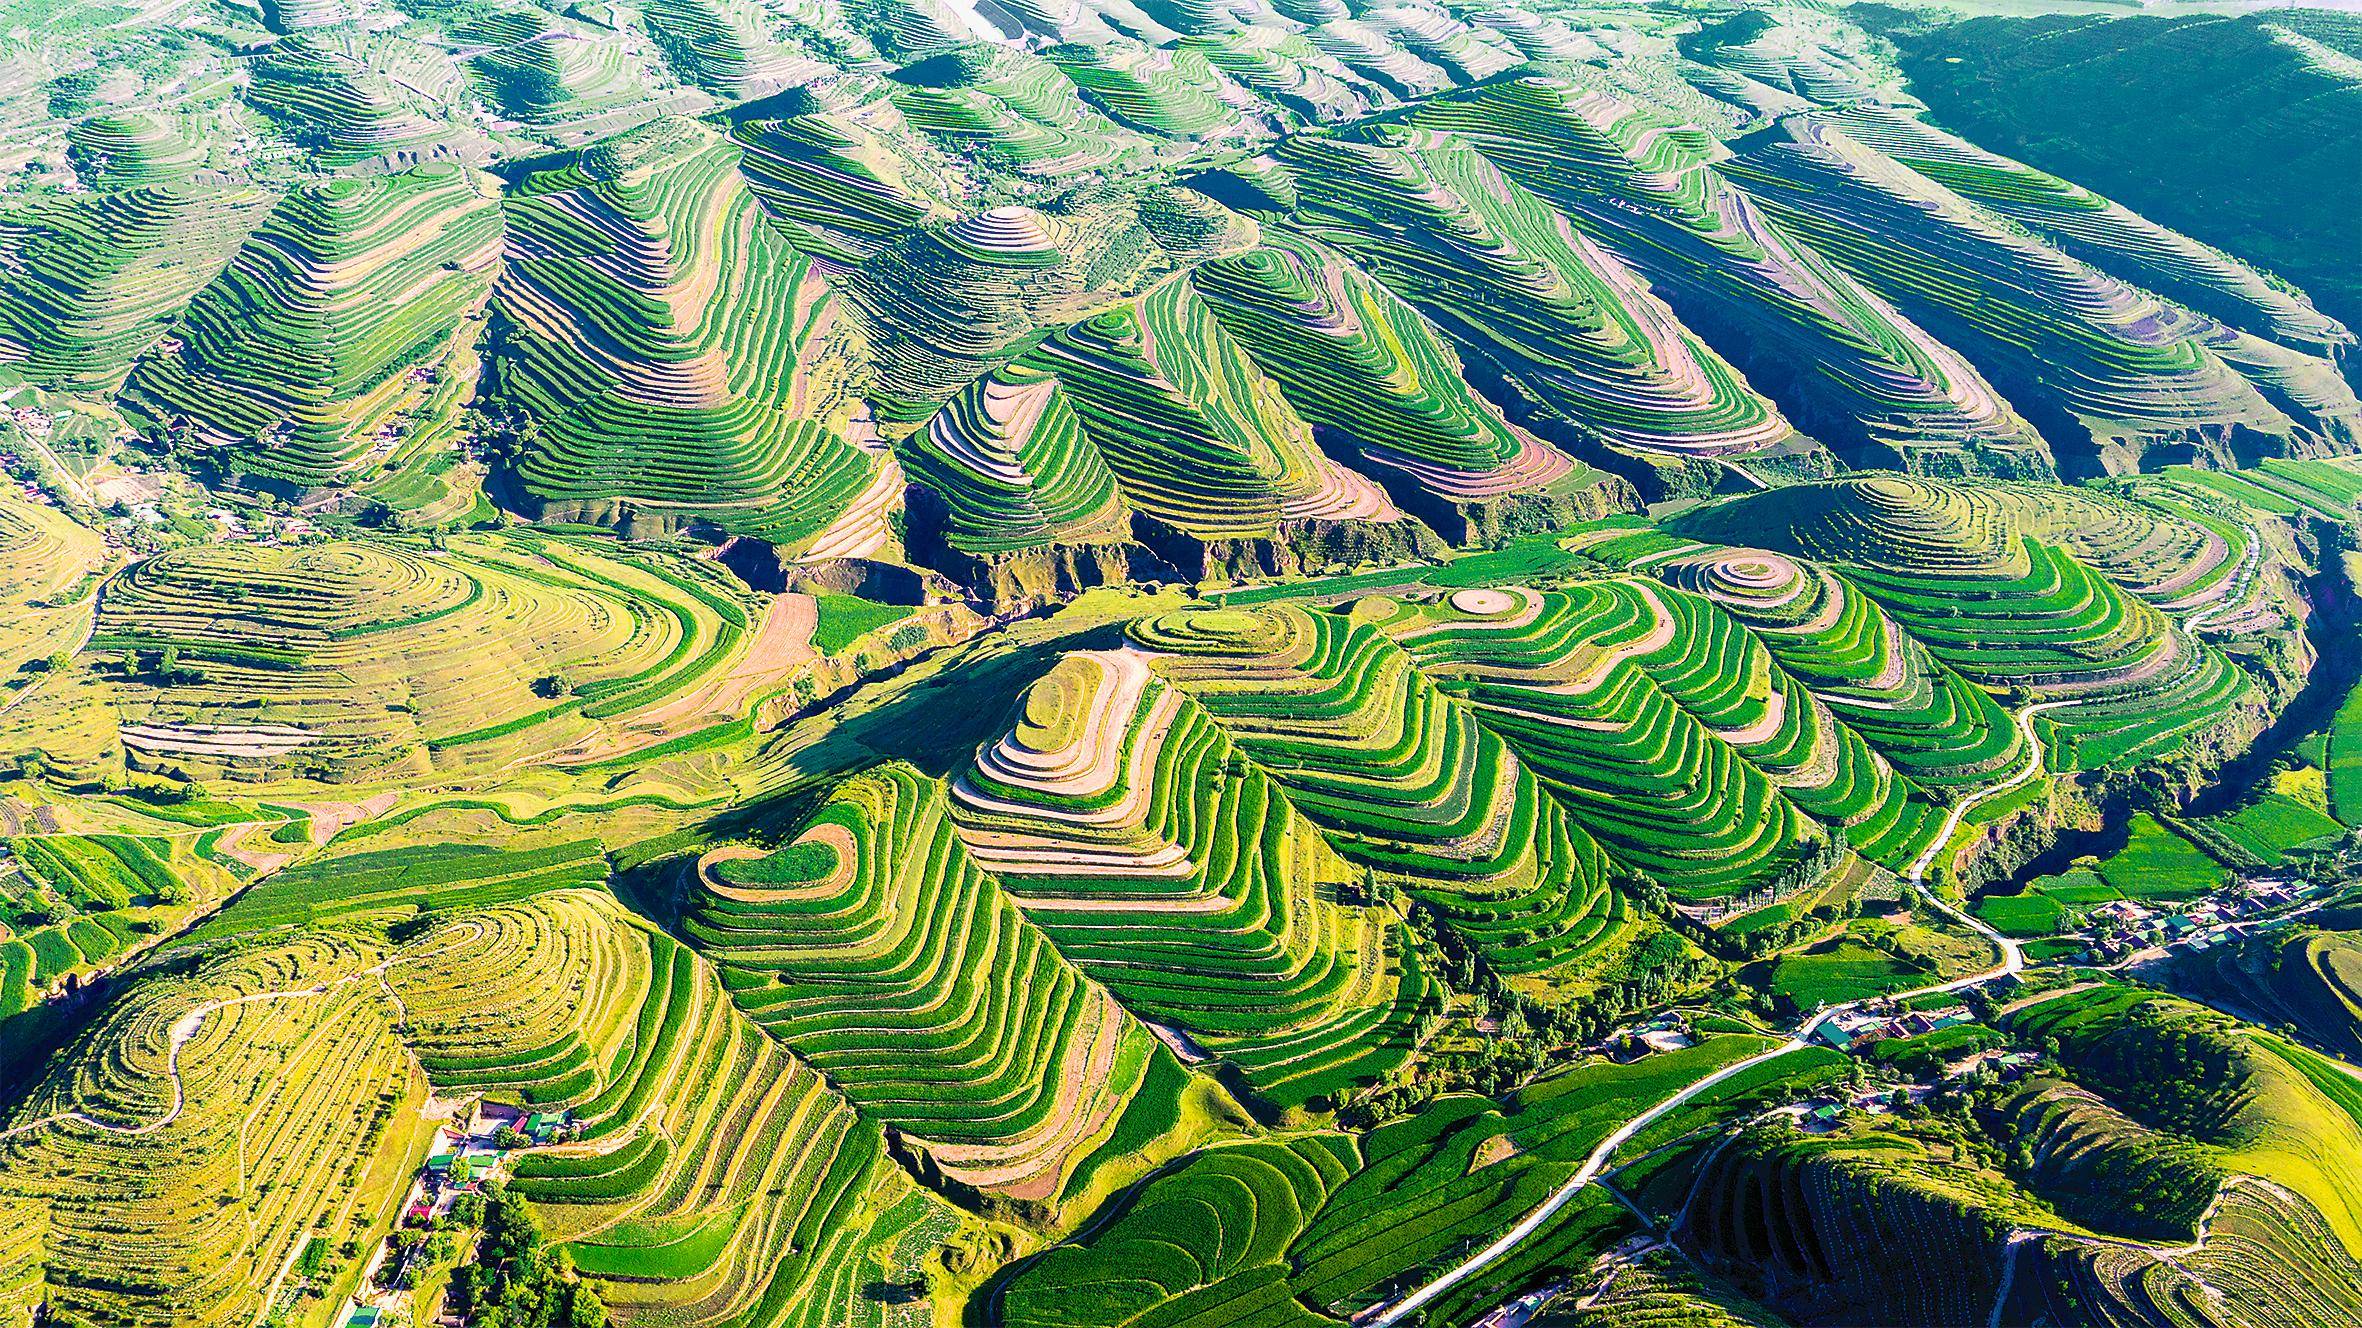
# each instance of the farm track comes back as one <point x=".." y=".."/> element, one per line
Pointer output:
<point x="2171" y="1254"/>
<point x="185" y="1029"/>
<point x="2013" y="960"/>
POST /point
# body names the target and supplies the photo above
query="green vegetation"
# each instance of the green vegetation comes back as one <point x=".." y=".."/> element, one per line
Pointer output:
<point x="1134" y="665"/>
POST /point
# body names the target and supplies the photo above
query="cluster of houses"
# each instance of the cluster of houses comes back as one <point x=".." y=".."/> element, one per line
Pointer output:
<point x="1856" y="1029"/>
<point x="2121" y="928"/>
<point x="466" y="1155"/>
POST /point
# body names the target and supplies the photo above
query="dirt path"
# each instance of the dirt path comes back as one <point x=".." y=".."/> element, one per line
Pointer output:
<point x="185" y="1029"/>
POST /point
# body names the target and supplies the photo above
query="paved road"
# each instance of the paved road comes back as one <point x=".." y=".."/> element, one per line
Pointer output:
<point x="2013" y="960"/>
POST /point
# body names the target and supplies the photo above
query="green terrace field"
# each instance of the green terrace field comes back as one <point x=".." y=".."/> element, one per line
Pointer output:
<point x="359" y="659"/>
<point x="1880" y="389"/>
<point x="735" y="428"/>
<point x="1167" y="866"/>
<point x="368" y="284"/>
<point x="557" y="1001"/>
<point x="1154" y="665"/>
<point x="875" y="947"/>
<point x="1406" y="780"/>
<point x="2004" y="608"/>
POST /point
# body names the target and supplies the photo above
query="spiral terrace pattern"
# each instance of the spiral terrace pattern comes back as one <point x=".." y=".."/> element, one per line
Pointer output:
<point x="363" y="284"/>
<point x="1405" y="780"/>
<point x="1361" y="364"/>
<point x="211" y="1122"/>
<point x="542" y="68"/>
<point x="875" y="948"/>
<point x="1558" y="675"/>
<point x="96" y="278"/>
<point x="1938" y="728"/>
<point x="1505" y="274"/>
<point x="674" y="350"/>
<point x="719" y="1179"/>
<point x="330" y="95"/>
<point x="1015" y="111"/>
<point x="954" y="303"/>
<point x="1014" y="468"/>
<point x="1171" y="94"/>
<point x="130" y="149"/>
<point x="1287" y="69"/>
<point x="357" y="648"/>
<point x="2002" y="607"/>
<point x="1171" y="868"/>
<point x="1864" y="376"/>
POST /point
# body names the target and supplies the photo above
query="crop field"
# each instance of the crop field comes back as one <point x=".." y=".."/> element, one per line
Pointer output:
<point x="1407" y="782"/>
<point x="1834" y="972"/>
<point x="313" y="395"/>
<point x="2345" y="760"/>
<point x="1166" y="866"/>
<point x="874" y="947"/>
<point x="494" y="647"/>
<point x="2003" y="608"/>
<point x="906" y="663"/>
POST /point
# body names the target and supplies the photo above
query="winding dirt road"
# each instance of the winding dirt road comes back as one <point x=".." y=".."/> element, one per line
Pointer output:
<point x="185" y="1028"/>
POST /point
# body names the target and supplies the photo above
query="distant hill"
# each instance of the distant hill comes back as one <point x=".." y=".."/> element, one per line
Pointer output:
<point x="2264" y="163"/>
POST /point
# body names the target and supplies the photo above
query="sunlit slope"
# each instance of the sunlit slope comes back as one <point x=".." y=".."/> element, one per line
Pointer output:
<point x="874" y="947"/>
<point x="1557" y="675"/>
<point x="206" y="1125"/>
<point x="678" y="360"/>
<point x="293" y="367"/>
<point x="347" y="659"/>
<point x="719" y="1179"/>
<point x="1959" y="571"/>
<point x="1590" y="351"/>
<point x="1198" y="435"/>
<point x="2103" y="232"/>
<point x="1013" y="468"/>
<point x="1378" y="383"/>
<point x="1167" y="865"/>
<point x="1405" y="780"/>
<point x="2107" y="370"/>
<point x="1931" y="723"/>
<point x="97" y="277"/>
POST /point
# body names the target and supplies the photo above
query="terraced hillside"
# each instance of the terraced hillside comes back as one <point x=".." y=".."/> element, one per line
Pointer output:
<point x="354" y="659"/>
<point x="1172" y="664"/>
<point x="680" y="362"/>
<point x="96" y="277"/>
<point x="1406" y="781"/>
<point x="1169" y="867"/>
<point x="613" y="1022"/>
<point x="1572" y="334"/>
<point x="1198" y="437"/>
<point x="874" y="947"/>
<point x="1556" y="674"/>
<point x="2148" y="374"/>
<point x="1858" y="373"/>
<point x="367" y="283"/>
<point x="1376" y="382"/>
<point x="2003" y="607"/>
